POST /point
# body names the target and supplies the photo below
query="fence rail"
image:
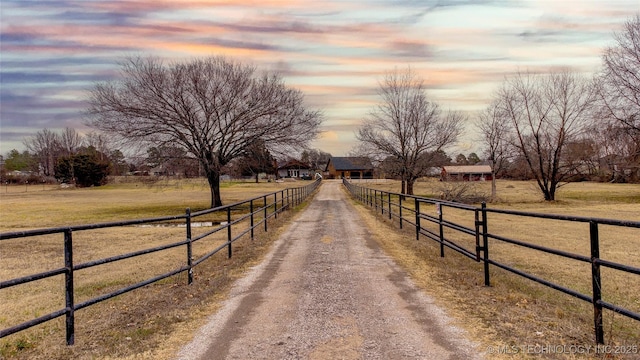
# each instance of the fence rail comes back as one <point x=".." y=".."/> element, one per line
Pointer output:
<point x="261" y="208"/>
<point x="382" y="201"/>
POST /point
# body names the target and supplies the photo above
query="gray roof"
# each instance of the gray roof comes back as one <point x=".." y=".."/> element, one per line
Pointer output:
<point x="350" y="163"/>
<point x="468" y="169"/>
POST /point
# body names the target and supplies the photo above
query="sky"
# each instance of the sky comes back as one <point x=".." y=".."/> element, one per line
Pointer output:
<point x="336" y="52"/>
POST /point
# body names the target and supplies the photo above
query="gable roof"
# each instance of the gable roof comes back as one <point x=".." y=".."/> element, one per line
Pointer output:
<point x="350" y="163"/>
<point x="294" y="164"/>
<point x="468" y="169"/>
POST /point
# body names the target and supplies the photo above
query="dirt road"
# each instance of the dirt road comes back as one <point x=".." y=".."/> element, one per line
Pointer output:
<point x="326" y="291"/>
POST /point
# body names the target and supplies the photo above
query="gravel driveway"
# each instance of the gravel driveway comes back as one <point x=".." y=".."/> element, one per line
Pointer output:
<point x="326" y="291"/>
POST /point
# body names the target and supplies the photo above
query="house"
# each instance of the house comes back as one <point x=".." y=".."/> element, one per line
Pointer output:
<point x="19" y="173"/>
<point x="294" y="169"/>
<point x="349" y="167"/>
<point x="466" y="173"/>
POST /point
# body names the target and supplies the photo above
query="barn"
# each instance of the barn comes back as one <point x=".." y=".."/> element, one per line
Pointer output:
<point x="466" y="173"/>
<point x="349" y="168"/>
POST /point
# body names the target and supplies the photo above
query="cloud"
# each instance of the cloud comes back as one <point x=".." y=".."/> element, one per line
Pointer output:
<point x="18" y="77"/>
<point x="275" y="25"/>
<point x="334" y="51"/>
<point x="38" y="108"/>
<point x="410" y="49"/>
<point x="239" y="44"/>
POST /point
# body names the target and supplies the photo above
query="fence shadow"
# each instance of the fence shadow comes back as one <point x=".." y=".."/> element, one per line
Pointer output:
<point x="239" y="219"/>
<point x="465" y="230"/>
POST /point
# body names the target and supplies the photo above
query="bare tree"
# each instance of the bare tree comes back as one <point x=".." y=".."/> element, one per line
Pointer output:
<point x="316" y="158"/>
<point x="546" y="112"/>
<point x="44" y="146"/>
<point x="99" y="142"/>
<point x="406" y="126"/>
<point x="214" y="108"/>
<point x="257" y="159"/>
<point x="619" y="90"/>
<point x="615" y="150"/>
<point x="69" y="141"/>
<point x="618" y="87"/>
<point x="494" y="130"/>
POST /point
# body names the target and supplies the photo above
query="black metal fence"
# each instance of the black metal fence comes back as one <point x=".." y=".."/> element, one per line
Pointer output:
<point x="261" y="209"/>
<point x="409" y="209"/>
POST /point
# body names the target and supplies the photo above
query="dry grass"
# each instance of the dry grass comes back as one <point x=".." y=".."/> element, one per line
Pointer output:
<point x="155" y="321"/>
<point x="53" y="206"/>
<point x="516" y="311"/>
<point x="152" y="322"/>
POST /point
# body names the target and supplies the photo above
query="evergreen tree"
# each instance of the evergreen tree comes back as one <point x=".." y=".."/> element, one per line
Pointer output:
<point x="86" y="168"/>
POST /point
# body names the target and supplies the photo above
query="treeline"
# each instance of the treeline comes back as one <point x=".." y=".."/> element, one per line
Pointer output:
<point x="89" y="160"/>
<point x="65" y="157"/>
<point x="554" y="127"/>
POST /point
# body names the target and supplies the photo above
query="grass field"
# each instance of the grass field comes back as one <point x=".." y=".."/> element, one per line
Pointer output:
<point x="155" y="321"/>
<point x="51" y="206"/>
<point x="514" y="310"/>
<point x="139" y="322"/>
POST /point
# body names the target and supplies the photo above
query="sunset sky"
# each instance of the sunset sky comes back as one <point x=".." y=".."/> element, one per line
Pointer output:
<point x="335" y="51"/>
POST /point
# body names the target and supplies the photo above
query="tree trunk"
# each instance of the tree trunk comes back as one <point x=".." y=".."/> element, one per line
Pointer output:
<point x="257" y="177"/>
<point x="410" y="183"/>
<point x="547" y="191"/>
<point x="214" y="184"/>
<point x="493" y="186"/>
<point x="72" y="171"/>
<point x="552" y="191"/>
<point x="549" y="194"/>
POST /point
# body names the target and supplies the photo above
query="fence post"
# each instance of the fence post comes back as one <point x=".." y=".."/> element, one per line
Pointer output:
<point x="400" y="209"/>
<point x="417" y="208"/>
<point x="382" y="202"/>
<point x="68" y="284"/>
<point x="265" y="213"/>
<point x="275" y="205"/>
<point x="288" y="199"/>
<point x="596" y="281"/>
<point x="229" y="230"/>
<point x="375" y="200"/>
<point x="282" y="199"/>
<point x="372" y="198"/>
<point x="441" y="226"/>
<point x="251" y="210"/>
<point x="189" y="249"/>
<point x="485" y="245"/>
<point x="476" y="213"/>
<point x="390" y="214"/>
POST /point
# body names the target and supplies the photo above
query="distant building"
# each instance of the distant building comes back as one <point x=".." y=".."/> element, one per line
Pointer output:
<point x="294" y="169"/>
<point x="466" y="173"/>
<point x="349" y="168"/>
<point x="20" y="173"/>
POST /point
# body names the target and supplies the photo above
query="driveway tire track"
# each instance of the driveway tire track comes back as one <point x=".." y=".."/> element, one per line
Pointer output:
<point x="326" y="291"/>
